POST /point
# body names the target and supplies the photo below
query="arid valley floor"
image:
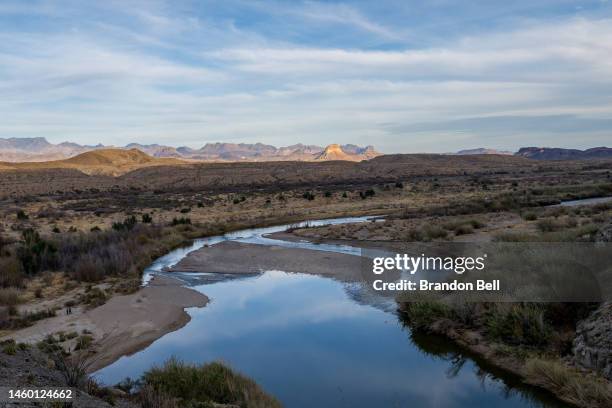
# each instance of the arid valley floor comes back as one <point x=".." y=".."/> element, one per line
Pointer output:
<point x="74" y="240"/>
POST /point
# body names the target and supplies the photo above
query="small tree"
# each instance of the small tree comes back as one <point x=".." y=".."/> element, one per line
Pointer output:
<point x="36" y="254"/>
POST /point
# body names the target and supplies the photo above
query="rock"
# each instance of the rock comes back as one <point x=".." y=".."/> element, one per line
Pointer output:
<point x="472" y="338"/>
<point x="592" y="346"/>
<point x="604" y="234"/>
<point x="116" y="392"/>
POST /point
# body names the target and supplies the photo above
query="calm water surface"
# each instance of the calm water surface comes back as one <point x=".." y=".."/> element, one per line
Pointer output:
<point x="311" y="342"/>
<point x="586" y="201"/>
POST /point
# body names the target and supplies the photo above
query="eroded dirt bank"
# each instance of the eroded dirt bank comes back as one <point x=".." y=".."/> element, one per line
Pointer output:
<point x="124" y="324"/>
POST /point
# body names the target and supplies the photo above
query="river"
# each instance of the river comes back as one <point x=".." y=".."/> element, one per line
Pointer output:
<point x="314" y="342"/>
<point x="585" y="201"/>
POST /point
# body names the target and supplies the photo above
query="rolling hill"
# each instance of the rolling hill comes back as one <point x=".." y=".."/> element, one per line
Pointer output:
<point x="110" y="162"/>
<point x="551" y="153"/>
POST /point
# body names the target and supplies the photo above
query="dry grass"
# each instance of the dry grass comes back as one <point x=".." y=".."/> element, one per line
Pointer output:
<point x="198" y="385"/>
<point x="588" y="391"/>
<point x="10" y="297"/>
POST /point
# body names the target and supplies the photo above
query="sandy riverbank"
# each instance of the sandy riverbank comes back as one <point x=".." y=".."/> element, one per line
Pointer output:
<point x="124" y="324"/>
<point x="239" y="258"/>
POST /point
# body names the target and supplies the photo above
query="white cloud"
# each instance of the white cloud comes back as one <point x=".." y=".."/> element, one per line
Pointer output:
<point x="343" y="14"/>
<point x="185" y="80"/>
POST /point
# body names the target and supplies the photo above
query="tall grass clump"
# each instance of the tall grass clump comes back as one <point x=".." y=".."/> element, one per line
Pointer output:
<point x="10" y="297"/>
<point x="519" y="324"/>
<point x="569" y="384"/>
<point x="198" y="385"/>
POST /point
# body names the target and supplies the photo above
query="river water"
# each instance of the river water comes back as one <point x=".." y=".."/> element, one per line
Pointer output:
<point x="585" y="201"/>
<point x="314" y="342"/>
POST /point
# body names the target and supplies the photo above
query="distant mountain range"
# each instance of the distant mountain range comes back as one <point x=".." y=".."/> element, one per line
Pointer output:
<point x="39" y="149"/>
<point x="551" y="153"/>
<point x="547" y="153"/>
<point x="482" y="150"/>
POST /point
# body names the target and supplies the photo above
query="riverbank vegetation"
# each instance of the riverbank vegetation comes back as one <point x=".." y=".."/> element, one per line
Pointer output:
<point x="202" y="385"/>
<point x="175" y="384"/>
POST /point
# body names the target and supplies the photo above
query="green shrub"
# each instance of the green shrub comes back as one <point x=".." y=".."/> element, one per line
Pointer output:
<point x="9" y="347"/>
<point x="367" y="193"/>
<point x="181" y="221"/>
<point x="83" y="342"/>
<point x="36" y="254"/>
<point x="308" y="196"/>
<point x="127" y="224"/>
<point x="530" y="216"/>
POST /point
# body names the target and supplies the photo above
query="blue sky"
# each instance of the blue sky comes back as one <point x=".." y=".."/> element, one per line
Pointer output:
<point x="405" y="76"/>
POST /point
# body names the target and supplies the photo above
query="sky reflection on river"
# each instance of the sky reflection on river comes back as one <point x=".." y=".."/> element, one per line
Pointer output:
<point x="305" y="341"/>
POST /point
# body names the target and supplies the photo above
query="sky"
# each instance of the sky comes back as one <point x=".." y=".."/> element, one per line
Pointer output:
<point x="403" y="75"/>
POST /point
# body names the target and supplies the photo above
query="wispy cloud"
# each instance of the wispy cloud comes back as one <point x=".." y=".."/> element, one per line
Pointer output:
<point x="343" y="14"/>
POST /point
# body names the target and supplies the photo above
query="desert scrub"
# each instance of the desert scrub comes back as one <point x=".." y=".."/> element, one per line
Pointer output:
<point x="519" y="324"/>
<point x="9" y="347"/>
<point x="569" y="384"/>
<point x="463" y="226"/>
<point x="213" y="383"/>
<point x="10" y="297"/>
<point x="181" y="221"/>
<point x="83" y="342"/>
<point x="36" y="254"/>
<point x="431" y="232"/>
<point x="50" y="345"/>
<point x="12" y="273"/>
<point x="26" y="319"/>
<point x="21" y="215"/>
<point x="530" y="216"/>
<point x="549" y="225"/>
<point x="94" y="297"/>
<point x="464" y="229"/>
